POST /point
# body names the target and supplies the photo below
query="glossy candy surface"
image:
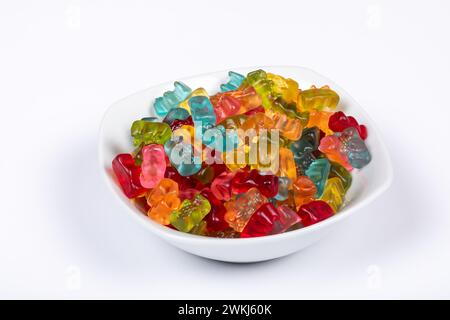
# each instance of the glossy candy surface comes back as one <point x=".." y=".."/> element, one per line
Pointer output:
<point x="171" y="99"/>
<point x="258" y="157"/>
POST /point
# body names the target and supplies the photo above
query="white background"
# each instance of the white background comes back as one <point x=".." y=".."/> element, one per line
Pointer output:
<point x="62" y="63"/>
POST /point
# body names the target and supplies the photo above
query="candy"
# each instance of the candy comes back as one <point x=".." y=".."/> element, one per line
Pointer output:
<point x="317" y="99"/>
<point x="234" y="82"/>
<point x="354" y="147"/>
<point x="269" y="220"/>
<point x="332" y="147"/>
<point x="334" y="193"/>
<point x="314" y="211"/>
<point x="202" y="111"/>
<point x="240" y="209"/>
<point x="128" y="175"/>
<point x="318" y="172"/>
<point x="153" y="165"/>
<point x="304" y="191"/>
<point x="197" y="92"/>
<point x="258" y="80"/>
<point x="340" y="172"/>
<point x="286" y="88"/>
<point x="162" y="200"/>
<point x="221" y="186"/>
<point x="338" y="122"/>
<point x="259" y="158"/>
<point x="171" y="99"/>
<point x="190" y="213"/>
<point x="145" y="132"/>
<point x="182" y="157"/>
<point x="243" y="181"/>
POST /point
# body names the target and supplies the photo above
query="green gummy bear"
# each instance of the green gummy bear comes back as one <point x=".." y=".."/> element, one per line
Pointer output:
<point x="263" y="86"/>
<point x="190" y="213"/>
<point x="145" y="132"/>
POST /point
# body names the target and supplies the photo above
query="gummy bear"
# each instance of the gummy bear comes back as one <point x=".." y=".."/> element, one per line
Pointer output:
<point x="225" y="105"/>
<point x="340" y="172"/>
<point x="318" y="172"/>
<point x="287" y="164"/>
<point x="338" y="122"/>
<point x="153" y="165"/>
<point x="290" y="110"/>
<point x="144" y="132"/>
<point x="317" y="99"/>
<point x="163" y="199"/>
<point x="128" y="173"/>
<point x="241" y="208"/>
<point x="171" y="99"/>
<point x="263" y="86"/>
<point x="332" y="147"/>
<point x="221" y="186"/>
<point x="334" y="193"/>
<point x="243" y="181"/>
<point x="314" y="211"/>
<point x="197" y="92"/>
<point x="215" y="219"/>
<point x="202" y="111"/>
<point x="267" y="220"/>
<point x="304" y="191"/>
<point x="354" y="147"/>
<point x="190" y="213"/>
<point x="183" y="157"/>
<point x="286" y="88"/>
<point x="320" y="119"/>
<point x="291" y="128"/>
<point x="234" y="82"/>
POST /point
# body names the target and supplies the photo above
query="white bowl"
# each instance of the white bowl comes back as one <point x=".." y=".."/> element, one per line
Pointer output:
<point x="368" y="183"/>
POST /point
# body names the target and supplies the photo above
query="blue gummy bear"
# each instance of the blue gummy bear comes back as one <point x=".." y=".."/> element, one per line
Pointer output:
<point x="202" y="111"/>
<point x="303" y="153"/>
<point x="176" y="114"/>
<point x="283" y="188"/>
<point x="318" y="172"/>
<point x="182" y="157"/>
<point x="171" y="99"/>
<point x="355" y="148"/>
<point x="218" y="138"/>
<point x="234" y="82"/>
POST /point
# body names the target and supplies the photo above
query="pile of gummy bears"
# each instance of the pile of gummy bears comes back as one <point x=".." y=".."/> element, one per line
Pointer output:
<point x="209" y="195"/>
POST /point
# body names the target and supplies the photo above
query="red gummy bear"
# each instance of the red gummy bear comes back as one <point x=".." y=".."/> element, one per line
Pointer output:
<point x="188" y="182"/>
<point x="338" y="122"/>
<point x="243" y="181"/>
<point x="314" y="211"/>
<point x="127" y="173"/>
<point x="215" y="220"/>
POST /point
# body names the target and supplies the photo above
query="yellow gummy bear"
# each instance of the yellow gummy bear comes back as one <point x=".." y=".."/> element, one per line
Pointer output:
<point x="317" y="99"/>
<point x="286" y="88"/>
<point x="334" y="193"/>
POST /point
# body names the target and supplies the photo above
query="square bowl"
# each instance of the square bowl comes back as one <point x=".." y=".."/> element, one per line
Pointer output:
<point x="368" y="183"/>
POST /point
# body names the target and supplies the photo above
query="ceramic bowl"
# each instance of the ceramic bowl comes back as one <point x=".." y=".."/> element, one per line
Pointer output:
<point x="368" y="183"/>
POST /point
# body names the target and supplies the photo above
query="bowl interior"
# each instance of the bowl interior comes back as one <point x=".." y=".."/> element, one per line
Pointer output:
<point x="368" y="183"/>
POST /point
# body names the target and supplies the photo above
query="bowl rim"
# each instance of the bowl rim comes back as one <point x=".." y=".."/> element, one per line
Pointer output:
<point x="164" y="231"/>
